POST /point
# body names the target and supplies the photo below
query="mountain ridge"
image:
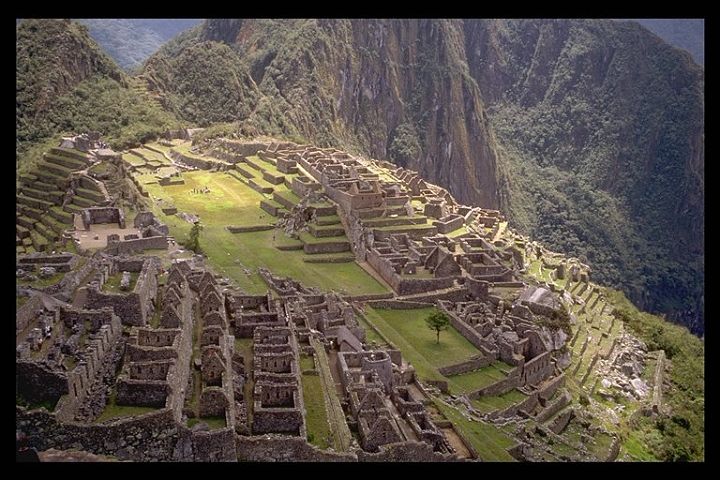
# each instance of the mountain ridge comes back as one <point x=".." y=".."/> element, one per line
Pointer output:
<point x="445" y="96"/>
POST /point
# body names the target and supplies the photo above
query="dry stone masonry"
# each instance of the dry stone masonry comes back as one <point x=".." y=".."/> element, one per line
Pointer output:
<point x="149" y="358"/>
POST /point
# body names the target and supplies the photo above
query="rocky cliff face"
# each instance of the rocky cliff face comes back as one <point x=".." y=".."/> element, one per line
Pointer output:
<point x="395" y="89"/>
<point x="588" y="133"/>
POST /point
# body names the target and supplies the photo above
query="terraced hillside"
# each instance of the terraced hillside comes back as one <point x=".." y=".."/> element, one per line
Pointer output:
<point x="48" y="197"/>
<point x="238" y="224"/>
<point x="275" y="227"/>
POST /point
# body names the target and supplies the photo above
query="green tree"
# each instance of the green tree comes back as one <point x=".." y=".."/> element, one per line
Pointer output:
<point x="193" y="240"/>
<point x="437" y="321"/>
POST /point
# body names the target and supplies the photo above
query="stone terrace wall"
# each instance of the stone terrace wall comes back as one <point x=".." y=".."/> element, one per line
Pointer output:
<point x="206" y="446"/>
<point x="399" y="304"/>
<point x="499" y="387"/>
<point x="138" y="244"/>
<point x="467" y="331"/>
<point x="278" y="448"/>
<point x="149" y="437"/>
<point x="466" y="366"/>
<point x="406" y="452"/>
<point x="526" y="405"/>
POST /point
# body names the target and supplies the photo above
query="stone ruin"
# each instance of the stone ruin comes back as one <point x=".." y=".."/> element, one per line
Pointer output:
<point x="190" y="348"/>
<point x="135" y="307"/>
<point x="154" y="235"/>
<point x="99" y="215"/>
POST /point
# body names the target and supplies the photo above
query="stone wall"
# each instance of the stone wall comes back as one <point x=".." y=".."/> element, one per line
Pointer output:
<point x="71" y="280"/>
<point x="149" y="437"/>
<point x="403" y="285"/>
<point x="127" y="307"/>
<point x="147" y="393"/>
<point x="470" y="334"/>
<point x="499" y="387"/>
<point x="406" y="452"/>
<point x="526" y="405"/>
<point x="93" y="215"/>
<point x="399" y="304"/>
<point x="136" y="307"/>
<point x="365" y="298"/>
<point x="38" y="383"/>
<point x="97" y="318"/>
<point x="25" y="314"/>
<point x="466" y="366"/>
<point x="282" y="448"/>
<point x="537" y="369"/>
<point x="249" y="228"/>
<point x="205" y="446"/>
<point x="159" y="242"/>
<point x="277" y="420"/>
<point x="554" y="407"/>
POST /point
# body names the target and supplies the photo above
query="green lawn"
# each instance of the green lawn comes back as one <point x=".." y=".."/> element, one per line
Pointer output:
<point x="316" y="421"/>
<point x="113" y="411"/>
<point x="410" y="324"/>
<point x="490" y="442"/>
<point x="370" y="334"/>
<point x="489" y="404"/>
<point x="471" y="381"/>
<point x="407" y="330"/>
<point x="307" y="362"/>
<point x="133" y="160"/>
<point x="20" y="301"/>
<point x="456" y="233"/>
<point x="230" y="202"/>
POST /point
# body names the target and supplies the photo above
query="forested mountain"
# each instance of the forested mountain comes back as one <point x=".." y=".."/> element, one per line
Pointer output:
<point x="131" y="41"/>
<point x="66" y="83"/>
<point x="589" y="133"/>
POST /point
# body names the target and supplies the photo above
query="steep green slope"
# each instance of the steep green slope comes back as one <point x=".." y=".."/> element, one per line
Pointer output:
<point x="681" y="435"/>
<point x="52" y="56"/>
<point x="65" y="83"/>
<point x="205" y="83"/>
<point x="603" y="129"/>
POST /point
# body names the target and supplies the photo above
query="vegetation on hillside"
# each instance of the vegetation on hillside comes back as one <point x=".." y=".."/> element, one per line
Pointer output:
<point x="205" y="83"/>
<point x="124" y="117"/>
<point x="130" y="41"/>
<point x="604" y="156"/>
<point x="52" y="56"/>
<point x="680" y="435"/>
<point x="73" y="87"/>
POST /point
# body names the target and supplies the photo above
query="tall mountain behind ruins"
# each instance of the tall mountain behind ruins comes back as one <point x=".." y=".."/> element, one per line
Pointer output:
<point x="589" y="133"/>
<point x="257" y="288"/>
